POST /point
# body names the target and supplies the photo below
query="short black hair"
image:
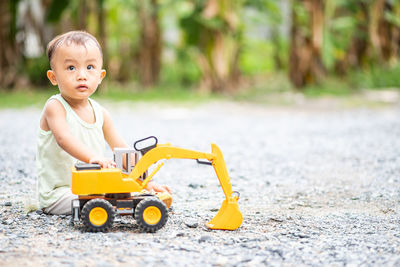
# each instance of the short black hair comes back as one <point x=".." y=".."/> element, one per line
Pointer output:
<point x="76" y="37"/>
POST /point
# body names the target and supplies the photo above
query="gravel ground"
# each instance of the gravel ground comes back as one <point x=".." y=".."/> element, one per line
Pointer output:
<point x="318" y="187"/>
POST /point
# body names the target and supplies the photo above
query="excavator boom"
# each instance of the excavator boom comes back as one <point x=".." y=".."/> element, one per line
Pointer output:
<point x="229" y="216"/>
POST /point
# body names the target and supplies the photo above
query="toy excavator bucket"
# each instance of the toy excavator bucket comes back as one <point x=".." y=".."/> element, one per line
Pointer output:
<point x="229" y="216"/>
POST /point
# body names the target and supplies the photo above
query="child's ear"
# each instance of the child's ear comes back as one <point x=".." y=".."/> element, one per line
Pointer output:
<point x="102" y="75"/>
<point x="52" y="77"/>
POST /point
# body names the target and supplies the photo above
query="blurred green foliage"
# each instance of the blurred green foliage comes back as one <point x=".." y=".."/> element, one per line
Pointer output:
<point x="165" y="93"/>
<point x="183" y="71"/>
<point x="376" y="77"/>
<point x="36" y="69"/>
<point x="259" y="31"/>
<point x="257" y="57"/>
<point x="56" y="9"/>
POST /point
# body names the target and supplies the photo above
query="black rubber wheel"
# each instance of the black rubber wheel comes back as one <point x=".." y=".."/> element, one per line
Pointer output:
<point x="151" y="214"/>
<point x="97" y="215"/>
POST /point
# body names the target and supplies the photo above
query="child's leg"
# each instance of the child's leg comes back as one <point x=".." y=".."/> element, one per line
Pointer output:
<point x="61" y="206"/>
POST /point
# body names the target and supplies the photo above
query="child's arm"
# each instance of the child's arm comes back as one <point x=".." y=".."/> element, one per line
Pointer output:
<point x="54" y="120"/>
<point x="115" y="140"/>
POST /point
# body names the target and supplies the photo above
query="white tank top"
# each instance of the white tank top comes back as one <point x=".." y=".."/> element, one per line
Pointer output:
<point x="54" y="164"/>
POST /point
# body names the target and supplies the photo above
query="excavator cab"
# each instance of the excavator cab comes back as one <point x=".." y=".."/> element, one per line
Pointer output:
<point x="129" y="156"/>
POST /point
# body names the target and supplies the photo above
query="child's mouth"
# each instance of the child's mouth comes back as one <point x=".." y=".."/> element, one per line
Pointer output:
<point x="82" y="87"/>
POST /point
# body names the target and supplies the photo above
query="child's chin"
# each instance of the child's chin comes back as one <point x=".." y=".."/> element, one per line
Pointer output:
<point x="83" y="89"/>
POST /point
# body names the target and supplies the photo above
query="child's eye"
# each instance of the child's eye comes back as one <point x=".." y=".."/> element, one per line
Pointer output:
<point x="90" y="67"/>
<point x="71" y="68"/>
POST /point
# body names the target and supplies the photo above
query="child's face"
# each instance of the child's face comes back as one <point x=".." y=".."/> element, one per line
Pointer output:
<point x="76" y="69"/>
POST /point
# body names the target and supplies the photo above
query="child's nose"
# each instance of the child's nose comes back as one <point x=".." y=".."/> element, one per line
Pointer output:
<point x="81" y="74"/>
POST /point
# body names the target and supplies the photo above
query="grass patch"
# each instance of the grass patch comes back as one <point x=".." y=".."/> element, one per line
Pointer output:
<point x="132" y="93"/>
<point x="264" y="89"/>
<point x="376" y="77"/>
<point x="267" y="89"/>
<point x="276" y="90"/>
<point x="332" y="86"/>
<point x="23" y="98"/>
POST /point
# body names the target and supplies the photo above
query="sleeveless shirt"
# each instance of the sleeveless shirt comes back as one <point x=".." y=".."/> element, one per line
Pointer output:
<point x="53" y="163"/>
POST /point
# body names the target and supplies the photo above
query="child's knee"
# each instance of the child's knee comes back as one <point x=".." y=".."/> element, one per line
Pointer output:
<point x="61" y="206"/>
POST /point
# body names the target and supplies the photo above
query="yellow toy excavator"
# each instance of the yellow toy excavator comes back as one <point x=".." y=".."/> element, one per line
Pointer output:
<point x="104" y="193"/>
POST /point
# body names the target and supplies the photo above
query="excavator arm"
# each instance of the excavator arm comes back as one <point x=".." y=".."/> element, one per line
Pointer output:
<point x="229" y="216"/>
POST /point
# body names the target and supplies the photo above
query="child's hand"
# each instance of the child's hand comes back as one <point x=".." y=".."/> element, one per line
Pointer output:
<point x="158" y="188"/>
<point x="104" y="162"/>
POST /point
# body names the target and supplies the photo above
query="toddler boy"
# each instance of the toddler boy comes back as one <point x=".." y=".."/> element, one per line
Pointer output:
<point x="72" y="125"/>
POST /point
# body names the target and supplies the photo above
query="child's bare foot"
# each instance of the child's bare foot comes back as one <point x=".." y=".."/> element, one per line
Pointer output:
<point x="158" y="188"/>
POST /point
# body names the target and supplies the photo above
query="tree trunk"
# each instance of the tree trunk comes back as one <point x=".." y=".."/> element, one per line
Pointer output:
<point x="220" y="48"/>
<point x="376" y="13"/>
<point x="384" y="35"/>
<point x="8" y="53"/>
<point x="357" y="54"/>
<point x="305" y="62"/>
<point x="393" y="42"/>
<point x="275" y="38"/>
<point x="149" y="54"/>
<point x="218" y="61"/>
<point x="102" y="30"/>
<point x="82" y="15"/>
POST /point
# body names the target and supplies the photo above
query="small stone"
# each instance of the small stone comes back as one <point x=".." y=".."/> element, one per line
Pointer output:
<point x="185" y="248"/>
<point x="117" y="236"/>
<point x="276" y="219"/>
<point x="12" y="236"/>
<point x="222" y="260"/>
<point x="180" y="234"/>
<point x="191" y="223"/>
<point x="8" y="204"/>
<point x="204" y="238"/>
<point x="105" y="264"/>
<point x="301" y="235"/>
<point x="68" y="263"/>
<point x="23" y="235"/>
<point x="8" y="221"/>
<point x="40" y="212"/>
<point x="34" y="216"/>
<point x="246" y="258"/>
<point x="194" y="186"/>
